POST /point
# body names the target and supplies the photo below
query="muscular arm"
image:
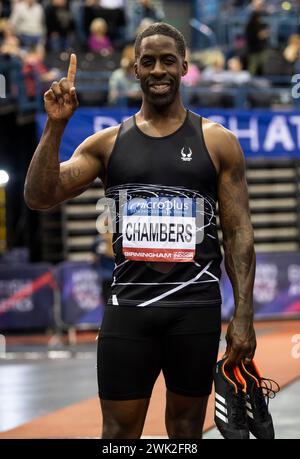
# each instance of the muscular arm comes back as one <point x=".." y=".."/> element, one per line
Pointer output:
<point x="48" y="182"/>
<point x="238" y="245"/>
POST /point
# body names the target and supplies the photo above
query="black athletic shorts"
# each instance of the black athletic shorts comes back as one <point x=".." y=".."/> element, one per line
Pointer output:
<point x="135" y="344"/>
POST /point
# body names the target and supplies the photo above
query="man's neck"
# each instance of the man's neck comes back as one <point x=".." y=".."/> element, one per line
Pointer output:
<point x="157" y="114"/>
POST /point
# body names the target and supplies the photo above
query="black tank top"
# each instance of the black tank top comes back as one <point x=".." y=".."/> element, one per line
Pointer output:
<point x="174" y="168"/>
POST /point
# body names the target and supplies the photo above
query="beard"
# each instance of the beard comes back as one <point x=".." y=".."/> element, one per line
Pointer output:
<point x="160" y="100"/>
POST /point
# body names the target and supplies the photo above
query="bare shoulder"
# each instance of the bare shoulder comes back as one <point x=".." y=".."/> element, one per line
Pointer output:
<point x="218" y="132"/>
<point x="101" y="143"/>
<point x="221" y="142"/>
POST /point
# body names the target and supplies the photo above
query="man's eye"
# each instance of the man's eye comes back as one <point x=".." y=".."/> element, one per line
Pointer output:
<point x="147" y="63"/>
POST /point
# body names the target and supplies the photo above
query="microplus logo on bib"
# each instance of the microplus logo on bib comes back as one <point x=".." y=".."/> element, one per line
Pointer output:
<point x="161" y="206"/>
<point x="160" y="229"/>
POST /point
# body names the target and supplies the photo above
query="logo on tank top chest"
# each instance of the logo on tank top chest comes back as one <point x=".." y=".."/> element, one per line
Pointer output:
<point x="186" y="154"/>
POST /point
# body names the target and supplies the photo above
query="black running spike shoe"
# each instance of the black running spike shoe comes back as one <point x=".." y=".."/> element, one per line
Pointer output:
<point x="259" y="391"/>
<point x="230" y="402"/>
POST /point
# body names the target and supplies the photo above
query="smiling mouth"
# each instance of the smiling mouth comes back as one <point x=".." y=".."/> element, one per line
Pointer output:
<point x="159" y="88"/>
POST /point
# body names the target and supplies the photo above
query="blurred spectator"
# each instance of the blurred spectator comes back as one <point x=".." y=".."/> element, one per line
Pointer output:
<point x="10" y="62"/>
<point x="98" y="41"/>
<point x="144" y="9"/>
<point x="90" y="11"/>
<point x="239" y="3"/>
<point x="222" y="82"/>
<point x="10" y="43"/>
<point x="114" y="17"/>
<point x="235" y="73"/>
<point x="144" y="24"/>
<point x="5" y="8"/>
<point x="193" y="76"/>
<point x="11" y="46"/>
<point x="104" y="262"/>
<point x="60" y="25"/>
<point x="216" y="65"/>
<point x="27" y="19"/>
<point x="36" y="75"/>
<point x="124" y="88"/>
<point x="112" y="3"/>
<point x="209" y="11"/>
<point x="257" y="35"/>
<point x="189" y="81"/>
<point x="116" y="21"/>
<point x="292" y="52"/>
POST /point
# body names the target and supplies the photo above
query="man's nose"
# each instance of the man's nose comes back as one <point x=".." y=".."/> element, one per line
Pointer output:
<point x="158" y="69"/>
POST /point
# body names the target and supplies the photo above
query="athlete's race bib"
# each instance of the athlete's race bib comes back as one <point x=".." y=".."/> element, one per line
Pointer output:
<point x="159" y="229"/>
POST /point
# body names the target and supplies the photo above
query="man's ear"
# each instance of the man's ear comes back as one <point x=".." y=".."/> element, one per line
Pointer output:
<point x="136" y="71"/>
<point x="185" y="67"/>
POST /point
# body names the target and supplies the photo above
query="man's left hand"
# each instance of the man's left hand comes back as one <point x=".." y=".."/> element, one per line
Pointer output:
<point x="241" y="341"/>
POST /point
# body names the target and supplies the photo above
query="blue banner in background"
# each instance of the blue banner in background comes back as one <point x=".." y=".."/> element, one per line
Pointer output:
<point x="262" y="133"/>
<point x="32" y="300"/>
<point x="81" y="294"/>
<point x="276" y="289"/>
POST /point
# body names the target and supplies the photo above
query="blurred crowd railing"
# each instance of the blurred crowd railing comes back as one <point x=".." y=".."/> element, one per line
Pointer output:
<point x="93" y="89"/>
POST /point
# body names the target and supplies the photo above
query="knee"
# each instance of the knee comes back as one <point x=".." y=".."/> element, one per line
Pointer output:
<point x="183" y="427"/>
<point x="123" y="419"/>
<point x="114" y="429"/>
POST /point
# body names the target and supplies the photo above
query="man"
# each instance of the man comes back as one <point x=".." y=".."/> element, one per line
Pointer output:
<point x="27" y="20"/>
<point x="257" y="34"/>
<point x="162" y="315"/>
<point x="123" y="87"/>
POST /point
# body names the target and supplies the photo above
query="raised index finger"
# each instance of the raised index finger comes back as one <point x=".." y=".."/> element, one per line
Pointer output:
<point x="72" y="69"/>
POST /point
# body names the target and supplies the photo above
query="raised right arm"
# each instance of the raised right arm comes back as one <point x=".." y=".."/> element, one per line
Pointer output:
<point x="49" y="182"/>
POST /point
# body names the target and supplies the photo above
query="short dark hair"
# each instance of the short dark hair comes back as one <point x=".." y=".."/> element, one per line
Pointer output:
<point x="161" y="28"/>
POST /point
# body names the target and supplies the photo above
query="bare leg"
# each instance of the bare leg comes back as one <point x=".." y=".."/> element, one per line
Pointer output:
<point x="185" y="415"/>
<point x="123" y="419"/>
